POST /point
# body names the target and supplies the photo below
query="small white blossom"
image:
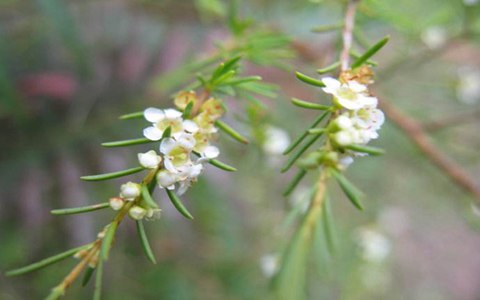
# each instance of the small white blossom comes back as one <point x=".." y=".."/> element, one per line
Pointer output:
<point x="187" y="175"/>
<point x="434" y="37"/>
<point x="269" y="265"/>
<point x="166" y="179"/>
<point x="368" y="118"/>
<point x="375" y="247"/>
<point x="344" y="162"/>
<point x="137" y="212"/>
<point x="351" y="95"/>
<point x="161" y="120"/>
<point x="276" y="140"/>
<point x="177" y="151"/>
<point x="129" y="191"/>
<point x="116" y="203"/>
<point x="149" y="160"/>
<point x="345" y="137"/>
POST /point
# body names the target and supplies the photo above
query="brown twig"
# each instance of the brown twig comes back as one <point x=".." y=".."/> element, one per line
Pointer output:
<point x="452" y="120"/>
<point x="347" y="34"/>
<point x="415" y="131"/>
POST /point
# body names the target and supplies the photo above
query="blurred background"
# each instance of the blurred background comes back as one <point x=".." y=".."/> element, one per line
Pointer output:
<point x="68" y="69"/>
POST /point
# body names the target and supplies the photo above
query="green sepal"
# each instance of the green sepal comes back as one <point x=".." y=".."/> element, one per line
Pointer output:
<point x="309" y="80"/>
<point x="144" y="240"/>
<point x="309" y="105"/>
<point x="370" y="52"/>
<point x="352" y="192"/>
<point x="45" y="262"/>
<point x="231" y="132"/>
<point x="125" y="143"/>
<point x="178" y="204"/>
<point x="366" y="149"/>
<point x="112" y="175"/>
<point x="79" y="210"/>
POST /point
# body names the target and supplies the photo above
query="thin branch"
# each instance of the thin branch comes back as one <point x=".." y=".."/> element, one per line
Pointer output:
<point x="347" y="34"/>
<point x="452" y="120"/>
<point x="415" y="131"/>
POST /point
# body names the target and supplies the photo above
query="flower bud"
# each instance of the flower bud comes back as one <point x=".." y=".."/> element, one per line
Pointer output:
<point x="183" y="98"/>
<point x="116" y="203"/>
<point x="343" y="138"/>
<point x="149" y="160"/>
<point x="166" y="179"/>
<point x="137" y="212"/>
<point x="129" y="191"/>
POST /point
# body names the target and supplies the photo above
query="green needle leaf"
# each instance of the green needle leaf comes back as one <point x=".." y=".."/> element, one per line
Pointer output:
<point x="317" y="131"/>
<point x="326" y="28"/>
<point x="295" y="181"/>
<point x="305" y="134"/>
<point x="366" y="149"/>
<point x="145" y="244"/>
<point x="108" y="240"/>
<point x="309" y="80"/>
<point x="242" y="80"/>
<point x="97" y="294"/>
<point x="370" y="52"/>
<point x="125" y="143"/>
<point x="300" y="151"/>
<point x="45" y="262"/>
<point x="56" y="293"/>
<point x="186" y="112"/>
<point x="353" y="193"/>
<point x="88" y="274"/>
<point x="167" y="133"/>
<point x="329" y="68"/>
<point x="231" y="132"/>
<point x="328" y="224"/>
<point x="112" y="175"/>
<point x="178" y="204"/>
<point x="134" y="115"/>
<point x="79" y="210"/>
<point x="309" y="105"/>
<point x="147" y="197"/>
<point x="222" y="165"/>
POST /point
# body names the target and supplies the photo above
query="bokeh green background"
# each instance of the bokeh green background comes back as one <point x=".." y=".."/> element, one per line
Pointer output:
<point x="68" y="69"/>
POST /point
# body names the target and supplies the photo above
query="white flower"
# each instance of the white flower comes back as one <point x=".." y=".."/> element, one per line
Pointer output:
<point x="177" y="152"/>
<point x="351" y="95"/>
<point x="116" y="203"/>
<point x="346" y="137"/>
<point x="434" y="37"/>
<point x="269" y="265"/>
<point x="343" y="122"/>
<point x="166" y="179"/>
<point x="161" y="120"/>
<point x="149" y="160"/>
<point x="188" y="174"/>
<point x="344" y="161"/>
<point x="276" y="140"/>
<point x="208" y="152"/>
<point x="137" y="212"/>
<point x="368" y="118"/>
<point x="374" y="245"/>
<point x="129" y="191"/>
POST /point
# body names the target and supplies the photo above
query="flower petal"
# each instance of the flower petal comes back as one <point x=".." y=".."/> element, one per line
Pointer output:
<point x="152" y="133"/>
<point x="167" y="145"/>
<point x="190" y="126"/>
<point x="171" y="113"/>
<point x="153" y="115"/>
<point x="211" y="152"/>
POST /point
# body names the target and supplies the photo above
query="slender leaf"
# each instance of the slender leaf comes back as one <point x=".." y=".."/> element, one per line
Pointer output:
<point x="242" y="80"/>
<point x="112" y="175"/>
<point x="187" y="111"/>
<point x="300" y="151"/>
<point x="326" y="28"/>
<point x="45" y="262"/>
<point x="125" y="143"/>
<point x="97" y="293"/>
<point x="370" y="52"/>
<point x="145" y="244"/>
<point x="167" y="133"/>
<point x="222" y="165"/>
<point x="366" y="149"/>
<point x="231" y="132"/>
<point x="317" y="131"/>
<point x="294" y="182"/>
<point x="327" y="219"/>
<point x="79" y="210"/>
<point x="352" y="193"/>
<point x="147" y="197"/>
<point x="329" y="68"/>
<point x="56" y="293"/>
<point x="305" y="134"/>
<point x="309" y="80"/>
<point x="108" y="240"/>
<point x="134" y="115"/>
<point x="87" y="275"/>
<point x="178" y="204"/>
<point x="309" y="105"/>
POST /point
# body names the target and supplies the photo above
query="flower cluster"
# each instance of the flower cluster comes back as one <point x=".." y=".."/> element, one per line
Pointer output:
<point x="185" y="136"/>
<point x="357" y="121"/>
